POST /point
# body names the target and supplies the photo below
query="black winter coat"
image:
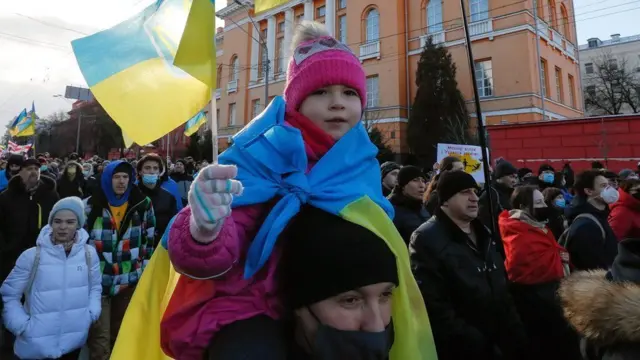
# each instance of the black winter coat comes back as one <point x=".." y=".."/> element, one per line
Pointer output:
<point x="184" y="184"/>
<point x="164" y="208"/>
<point x="465" y="290"/>
<point x="501" y="197"/>
<point x="587" y="248"/>
<point x="91" y="185"/>
<point x="432" y="203"/>
<point x="22" y="216"/>
<point x="409" y="215"/>
<point x="68" y="187"/>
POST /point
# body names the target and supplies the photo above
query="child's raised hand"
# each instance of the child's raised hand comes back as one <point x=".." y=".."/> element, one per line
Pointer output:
<point x="210" y="199"/>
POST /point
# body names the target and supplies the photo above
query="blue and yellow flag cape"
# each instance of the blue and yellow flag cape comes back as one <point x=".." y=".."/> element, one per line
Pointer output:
<point x="271" y="162"/>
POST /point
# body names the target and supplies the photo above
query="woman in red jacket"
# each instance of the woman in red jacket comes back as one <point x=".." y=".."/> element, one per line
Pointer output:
<point x="534" y="264"/>
<point x="624" y="217"/>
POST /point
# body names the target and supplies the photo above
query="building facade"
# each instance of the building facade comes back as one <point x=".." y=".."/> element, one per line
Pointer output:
<point x="616" y="52"/>
<point x="518" y="81"/>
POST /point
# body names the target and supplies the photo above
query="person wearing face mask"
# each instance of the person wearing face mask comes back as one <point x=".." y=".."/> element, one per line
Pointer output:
<point x="71" y="183"/>
<point x="535" y="264"/>
<point x="150" y="169"/>
<point x="546" y="176"/>
<point x="591" y="241"/>
<point x="90" y="181"/>
<point x="60" y="280"/>
<point x="389" y="171"/>
<point x="462" y="279"/>
<point x="406" y="199"/>
<point x="12" y="169"/>
<point x="625" y="213"/>
<point x="557" y="205"/>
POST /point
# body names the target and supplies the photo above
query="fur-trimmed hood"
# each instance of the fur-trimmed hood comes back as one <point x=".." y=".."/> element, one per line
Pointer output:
<point x="604" y="311"/>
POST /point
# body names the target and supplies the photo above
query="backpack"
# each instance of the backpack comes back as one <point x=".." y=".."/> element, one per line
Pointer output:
<point x="564" y="238"/>
<point x="34" y="270"/>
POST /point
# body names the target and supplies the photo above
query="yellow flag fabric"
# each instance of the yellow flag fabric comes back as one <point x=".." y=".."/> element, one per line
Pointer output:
<point x="139" y="336"/>
<point x="147" y="72"/>
<point x="264" y="5"/>
<point x="413" y="336"/>
<point x="127" y="140"/>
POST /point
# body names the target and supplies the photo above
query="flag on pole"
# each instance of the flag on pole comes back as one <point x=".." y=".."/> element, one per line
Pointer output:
<point x="194" y="123"/>
<point x="15" y="148"/>
<point x="24" y="124"/>
<point x="154" y="71"/>
<point x="264" y="5"/>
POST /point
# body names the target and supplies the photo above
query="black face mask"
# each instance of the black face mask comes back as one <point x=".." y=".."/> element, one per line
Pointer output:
<point x="541" y="214"/>
<point x="331" y="343"/>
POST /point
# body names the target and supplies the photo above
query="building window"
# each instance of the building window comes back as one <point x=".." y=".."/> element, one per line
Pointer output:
<point x="232" y="114"/>
<point x="543" y="70"/>
<point x="613" y="64"/>
<point x="217" y="118"/>
<point x="321" y="11"/>
<point x="218" y="76"/>
<point x="566" y="30"/>
<point x="342" y="29"/>
<point x="591" y="91"/>
<point x="593" y="43"/>
<point x="559" y="85"/>
<point x="373" y="25"/>
<point x="434" y="16"/>
<point x="572" y="92"/>
<point x="392" y="135"/>
<point x="280" y="56"/>
<point x="479" y="10"/>
<point x="235" y="67"/>
<point x="299" y="19"/>
<point x="553" y="17"/>
<point x="281" y="27"/>
<point x="588" y="68"/>
<point x="372" y="91"/>
<point x="484" y="78"/>
<point x="343" y="4"/>
<point x="255" y="108"/>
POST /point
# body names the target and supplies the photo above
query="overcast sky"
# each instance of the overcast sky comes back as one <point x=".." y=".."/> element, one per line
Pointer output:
<point x="36" y="60"/>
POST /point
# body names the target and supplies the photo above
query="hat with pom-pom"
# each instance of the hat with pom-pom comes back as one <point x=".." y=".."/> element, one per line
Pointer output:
<point x="319" y="60"/>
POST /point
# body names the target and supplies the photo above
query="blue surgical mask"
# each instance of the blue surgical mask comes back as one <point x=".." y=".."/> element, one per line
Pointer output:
<point x="43" y="168"/>
<point x="560" y="203"/>
<point x="548" y="178"/>
<point x="149" y="179"/>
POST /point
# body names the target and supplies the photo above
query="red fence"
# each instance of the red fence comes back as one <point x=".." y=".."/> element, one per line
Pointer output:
<point x="612" y="140"/>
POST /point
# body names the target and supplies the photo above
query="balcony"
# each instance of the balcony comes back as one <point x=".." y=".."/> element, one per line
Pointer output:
<point x="218" y="93"/>
<point x="480" y="27"/>
<point x="232" y="86"/>
<point x="557" y="39"/>
<point x="437" y="38"/>
<point x="370" y="50"/>
<point x="543" y="28"/>
<point x="571" y="50"/>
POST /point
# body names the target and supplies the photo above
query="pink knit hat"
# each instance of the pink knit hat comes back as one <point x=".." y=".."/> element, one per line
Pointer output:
<point x="322" y="62"/>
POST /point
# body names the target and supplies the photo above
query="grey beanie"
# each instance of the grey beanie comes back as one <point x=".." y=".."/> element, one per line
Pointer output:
<point x="73" y="204"/>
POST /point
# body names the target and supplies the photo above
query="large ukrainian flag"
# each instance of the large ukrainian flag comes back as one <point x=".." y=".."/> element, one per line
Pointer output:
<point x="264" y="5"/>
<point x="194" y="123"/>
<point x="153" y="72"/>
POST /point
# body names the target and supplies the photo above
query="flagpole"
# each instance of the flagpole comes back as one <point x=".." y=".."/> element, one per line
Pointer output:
<point x="481" y="130"/>
<point x="214" y="126"/>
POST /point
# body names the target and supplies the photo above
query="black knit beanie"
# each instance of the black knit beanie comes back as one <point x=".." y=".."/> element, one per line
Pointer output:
<point x="452" y="182"/>
<point x="626" y="266"/>
<point x="545" y="167"/>
<point x="504" y="168"/>
<point x="407" y="174"/>
<point x="15" y="159"/>
<point x="123" y="167"/>
<point x="522" y="172"/>
<point x="325" y="255"/>
<point x="388" y="167"/>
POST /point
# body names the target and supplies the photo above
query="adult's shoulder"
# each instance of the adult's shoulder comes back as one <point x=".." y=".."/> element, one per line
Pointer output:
<point x="430" y="236"/>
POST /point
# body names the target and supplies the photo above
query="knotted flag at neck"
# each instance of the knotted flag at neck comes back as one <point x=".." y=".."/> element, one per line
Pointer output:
<point x="271" y="160"/>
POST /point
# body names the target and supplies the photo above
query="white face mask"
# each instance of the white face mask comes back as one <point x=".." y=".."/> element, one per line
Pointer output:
<point x="610" y="195"/>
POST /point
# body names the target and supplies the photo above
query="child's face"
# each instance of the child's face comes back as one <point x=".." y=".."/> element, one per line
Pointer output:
<point x="335" y="109"/>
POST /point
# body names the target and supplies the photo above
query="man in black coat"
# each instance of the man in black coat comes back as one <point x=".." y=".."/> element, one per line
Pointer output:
<point x="406" y="199"/>
<point x="591" y="242"/>
<point x="183" y="180"/>
<point x="389" y="175"/>
<point x="506" y="177"/>
<point x="150" y="169"/>
<point x="462" y="279"/>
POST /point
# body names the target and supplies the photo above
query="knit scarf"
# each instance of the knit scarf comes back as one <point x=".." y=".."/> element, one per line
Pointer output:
<point x="316" y="141"/>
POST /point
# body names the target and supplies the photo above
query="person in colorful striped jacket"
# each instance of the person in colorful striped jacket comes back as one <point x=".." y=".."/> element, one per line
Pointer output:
<point x="121" y="225"/>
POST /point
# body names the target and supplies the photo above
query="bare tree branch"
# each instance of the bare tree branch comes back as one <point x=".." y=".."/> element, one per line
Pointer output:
<point x="613" y="87"/>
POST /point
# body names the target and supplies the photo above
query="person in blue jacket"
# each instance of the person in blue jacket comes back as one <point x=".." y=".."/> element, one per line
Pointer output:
<point x="14" y="163"/>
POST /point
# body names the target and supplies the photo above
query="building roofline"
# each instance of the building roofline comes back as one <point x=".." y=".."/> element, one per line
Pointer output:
<point x="609" y="42"/>
<point x="583" y="120"/>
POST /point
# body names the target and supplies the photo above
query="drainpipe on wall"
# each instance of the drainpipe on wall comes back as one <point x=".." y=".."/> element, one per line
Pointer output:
<point x="406" y="59"/>
<point x="542" y="95"/>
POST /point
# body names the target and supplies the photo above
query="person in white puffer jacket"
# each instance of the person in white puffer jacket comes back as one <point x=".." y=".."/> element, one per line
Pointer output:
<point x="61" y="281"/>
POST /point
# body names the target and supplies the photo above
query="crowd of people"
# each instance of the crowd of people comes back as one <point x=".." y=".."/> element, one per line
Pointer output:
<point x="315" y="250"/>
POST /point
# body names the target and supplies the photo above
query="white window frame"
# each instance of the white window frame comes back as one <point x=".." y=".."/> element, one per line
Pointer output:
<point x="235" y="65"/>
<point x="281" y="27"/>
<point x="543" y="71"/>
<point x="479" y="10"/>
<point x="373" y="91"/>
<point x="281" y="65"/>
<point x="373" y="25"/>
<point x="572" y="100"/>
<point x="588" y="68"/>
<point x="434" y="17"/>
<point x="255" y="108"/>
<point x="321" y="11"/>
<point x="558" y="84"/>
<point x="342" y="4"/>
<point x="484" y="78"/>
<point x="342" y="28"/>
<point x="232" y="114"/>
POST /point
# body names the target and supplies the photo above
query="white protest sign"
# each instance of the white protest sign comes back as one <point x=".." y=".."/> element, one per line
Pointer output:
<point x="470" y="155"/>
